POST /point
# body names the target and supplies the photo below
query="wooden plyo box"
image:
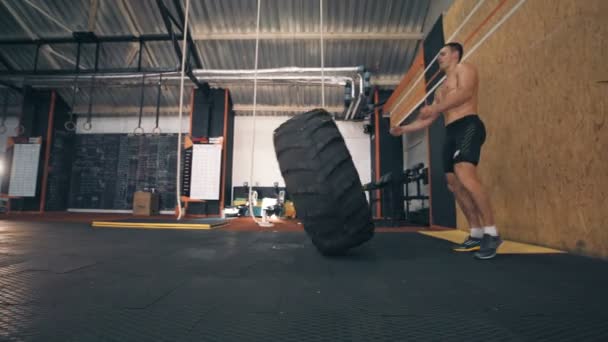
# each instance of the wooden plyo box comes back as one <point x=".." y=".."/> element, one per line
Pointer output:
<point x="145" y="203"/>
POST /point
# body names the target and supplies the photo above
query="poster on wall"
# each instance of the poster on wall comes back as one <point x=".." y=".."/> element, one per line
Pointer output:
<point x="206" y="171"/>
<point x="24" y="168"/>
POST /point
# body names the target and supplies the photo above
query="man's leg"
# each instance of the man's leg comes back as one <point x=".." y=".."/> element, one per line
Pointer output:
<point x="467" y="175"/>
<point x="466" y="204"/>
<point x="464" y="200"/>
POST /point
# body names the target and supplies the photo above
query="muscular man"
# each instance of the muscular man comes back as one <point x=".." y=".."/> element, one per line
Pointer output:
<point x="465" y="134"/>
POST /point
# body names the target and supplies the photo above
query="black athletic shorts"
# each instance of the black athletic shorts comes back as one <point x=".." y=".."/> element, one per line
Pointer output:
<point x="463" y="141"/>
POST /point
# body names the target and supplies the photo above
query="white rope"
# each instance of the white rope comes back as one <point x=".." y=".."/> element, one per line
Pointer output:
<point x="481" y="41"/>
<point x="255" y="98"/>
<point x="181" y="108"/>
<point x="479" y="3"/>
<point x="322" y="56"/>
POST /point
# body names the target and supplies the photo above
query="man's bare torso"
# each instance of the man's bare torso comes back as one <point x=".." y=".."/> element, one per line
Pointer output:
<point x="469" y="107"/>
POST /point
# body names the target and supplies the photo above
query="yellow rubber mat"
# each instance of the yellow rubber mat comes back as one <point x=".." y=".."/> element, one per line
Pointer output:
<point x="161" y="224"/>
<point x="507" y="247"/>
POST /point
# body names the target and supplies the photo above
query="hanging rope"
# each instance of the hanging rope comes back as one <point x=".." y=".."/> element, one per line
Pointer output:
<point x="255" y="97"/>
<point x="181" y="108"/>
<point x="70" y="125"/>
<point x="322" y="55"/>
<point x="88" y="125"/>
<point x="139" y="130"/>
<point x="156" y="129"/>
<point x="253" y="196"/>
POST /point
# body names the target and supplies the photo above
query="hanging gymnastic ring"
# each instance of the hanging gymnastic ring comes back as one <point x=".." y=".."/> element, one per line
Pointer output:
<point x="138" y="131"/>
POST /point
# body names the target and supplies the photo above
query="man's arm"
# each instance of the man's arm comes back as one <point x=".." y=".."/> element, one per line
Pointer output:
<point x="436" y="100"/>
<point x="418" y="124"/>
<point x="467" y="81"/>
<point x="425" y="118"/>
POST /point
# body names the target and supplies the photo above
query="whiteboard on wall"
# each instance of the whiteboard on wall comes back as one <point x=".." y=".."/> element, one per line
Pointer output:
<point x="24" y="170"/>
<point x="206" y="171"/>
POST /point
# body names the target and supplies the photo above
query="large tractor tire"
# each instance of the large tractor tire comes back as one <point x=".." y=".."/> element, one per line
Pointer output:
<point x="322" y="181"/>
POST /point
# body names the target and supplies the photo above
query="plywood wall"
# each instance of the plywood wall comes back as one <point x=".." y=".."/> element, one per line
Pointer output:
<point x="545" y="161"/>
<point x="408" y="93"/>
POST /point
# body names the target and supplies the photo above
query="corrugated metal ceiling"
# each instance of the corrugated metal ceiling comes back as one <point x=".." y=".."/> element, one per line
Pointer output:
<point x="372" y="16"/>
<point x="386" y="58"/>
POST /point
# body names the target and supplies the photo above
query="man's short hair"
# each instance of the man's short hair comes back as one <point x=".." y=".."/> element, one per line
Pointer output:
<point x="456" y="47"/>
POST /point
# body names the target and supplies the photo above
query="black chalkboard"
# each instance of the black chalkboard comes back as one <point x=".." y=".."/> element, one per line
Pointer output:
<point x="108" y="168"/>
<point x="60" y="165"/>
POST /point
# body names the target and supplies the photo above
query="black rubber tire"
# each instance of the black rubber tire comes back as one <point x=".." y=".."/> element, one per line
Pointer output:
<point x="322" y="181"/>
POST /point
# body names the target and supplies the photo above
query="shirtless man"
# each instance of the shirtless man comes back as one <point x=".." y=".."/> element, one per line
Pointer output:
<point x="465" y="134"/>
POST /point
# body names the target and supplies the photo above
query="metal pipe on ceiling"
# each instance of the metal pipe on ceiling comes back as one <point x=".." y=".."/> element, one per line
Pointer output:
<point x="49" y="80"/>
<point x="64" y="82"/>
<point x="338" y="80"/>
<point x="356" y="69"/>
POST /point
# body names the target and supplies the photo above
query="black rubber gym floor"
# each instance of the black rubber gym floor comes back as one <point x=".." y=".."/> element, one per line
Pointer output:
<point x="70" y="282"/>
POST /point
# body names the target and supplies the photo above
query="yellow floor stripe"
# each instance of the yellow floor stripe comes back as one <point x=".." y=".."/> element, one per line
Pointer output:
<point x="507" y="247"/>
<point x="151" y="225"/>
<point x="145" y="224"/>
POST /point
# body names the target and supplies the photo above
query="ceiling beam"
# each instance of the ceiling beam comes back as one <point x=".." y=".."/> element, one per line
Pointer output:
<point x="279" y="108"/>
<point x="308" y="36"/>
<point x="99" y="39"/>
<point x="222" y="36"/>
<point x="151" y="110"/>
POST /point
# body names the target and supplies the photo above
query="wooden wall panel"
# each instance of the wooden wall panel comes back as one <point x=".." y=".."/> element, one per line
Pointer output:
<point x="398" y="104"/>
<point x="545" y="160"/>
